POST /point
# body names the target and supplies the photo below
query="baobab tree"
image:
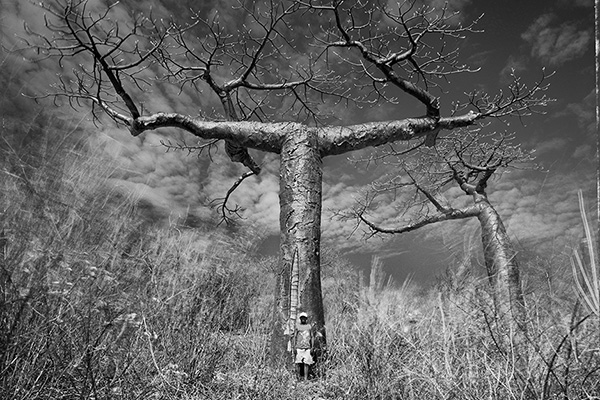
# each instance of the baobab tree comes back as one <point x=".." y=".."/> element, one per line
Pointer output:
<point x="276" y="69"/>
<point x="466" y="159"/>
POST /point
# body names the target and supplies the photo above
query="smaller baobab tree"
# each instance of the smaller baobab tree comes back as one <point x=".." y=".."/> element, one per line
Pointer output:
<point x="466" y="159"/>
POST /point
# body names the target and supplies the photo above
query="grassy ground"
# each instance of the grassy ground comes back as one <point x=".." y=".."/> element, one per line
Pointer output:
<point x="98" y="303"/>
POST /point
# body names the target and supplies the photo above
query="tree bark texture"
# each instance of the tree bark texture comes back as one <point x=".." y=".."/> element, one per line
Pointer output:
<point x="502" y="267"/>
<point x="300" y="191"/>
<point x="330" y="140"/>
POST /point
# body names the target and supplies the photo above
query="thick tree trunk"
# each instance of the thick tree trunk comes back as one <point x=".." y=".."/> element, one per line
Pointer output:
<point x="300" y="224"/>
<point x="502" y="268"/>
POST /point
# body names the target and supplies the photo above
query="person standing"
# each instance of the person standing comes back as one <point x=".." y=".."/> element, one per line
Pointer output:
<point x="303" y="344"/>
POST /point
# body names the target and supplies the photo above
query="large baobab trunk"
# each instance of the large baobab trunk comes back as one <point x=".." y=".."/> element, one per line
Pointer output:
<point x="502" y="267"/>
<point x="300" y="223"/>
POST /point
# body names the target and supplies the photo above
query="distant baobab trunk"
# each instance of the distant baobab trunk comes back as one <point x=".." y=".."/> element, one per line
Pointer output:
<point x="471" y="172"/>
<point x="502" y="268"/>
<point x="499" y="255"/>
<point x="500" y="259"/>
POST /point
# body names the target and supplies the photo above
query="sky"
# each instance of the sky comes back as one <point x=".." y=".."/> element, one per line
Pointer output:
<point x="539" y="208"/>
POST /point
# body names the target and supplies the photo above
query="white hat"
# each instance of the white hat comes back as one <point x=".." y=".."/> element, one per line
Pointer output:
<point x="303" y="314"/>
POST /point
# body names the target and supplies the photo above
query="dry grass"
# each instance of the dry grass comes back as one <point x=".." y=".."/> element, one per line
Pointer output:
<point x="96" y="303"/>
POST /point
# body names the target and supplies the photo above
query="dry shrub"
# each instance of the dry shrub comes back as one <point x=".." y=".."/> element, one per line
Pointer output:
<point x="97" y="302"/>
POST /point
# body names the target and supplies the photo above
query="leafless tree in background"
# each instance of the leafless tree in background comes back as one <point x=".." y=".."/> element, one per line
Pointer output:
<point x="280" y="71"/>
<point x="468" y="160"/>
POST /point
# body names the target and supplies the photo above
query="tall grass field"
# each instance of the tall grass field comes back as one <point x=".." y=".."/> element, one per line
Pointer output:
<point x="99" y="302"/>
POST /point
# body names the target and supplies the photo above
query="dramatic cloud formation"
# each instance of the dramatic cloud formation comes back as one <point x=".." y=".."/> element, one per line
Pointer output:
<point x="556" y="43"/>
<point x="538" y="210"/>
<point x="180" y="185"/>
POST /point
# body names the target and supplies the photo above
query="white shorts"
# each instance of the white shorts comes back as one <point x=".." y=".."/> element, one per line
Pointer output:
<point x="303" y="356"/>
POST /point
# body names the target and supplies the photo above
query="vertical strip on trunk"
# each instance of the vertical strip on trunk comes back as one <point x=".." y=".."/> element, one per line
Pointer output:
<point x="295" y="279"/>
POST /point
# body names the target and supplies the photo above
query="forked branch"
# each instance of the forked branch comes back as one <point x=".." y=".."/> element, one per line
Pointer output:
<point x="116" y="54"/>
<point x="221" y="203"/>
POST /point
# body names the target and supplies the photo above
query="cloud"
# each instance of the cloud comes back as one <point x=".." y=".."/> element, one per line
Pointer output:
<point x="549" y="145"/>
<point x="541" y="208"/>
<point x="577" y="3"/>
<point x="177" y="186"/>
<point x="578" y="137"/>
<point x="479" y="59"/>
<point x="555" y="45"/>
<point x="173" y="184"/>
<point x="513" y="64"/>
<point x="170" y="182"/>
<point x="584" y="151"/>
<point x="584" y="113"/>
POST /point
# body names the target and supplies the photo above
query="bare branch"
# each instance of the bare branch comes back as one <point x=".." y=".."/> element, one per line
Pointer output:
<point x="468" y="158"/>
<point x="115" y="54"/>
<point x="447" y="216"/>
<point x="520" y="100"/>
<point x="378" y="45"/>
<point x="221" y="203"/>
<point x="198" y="148"/>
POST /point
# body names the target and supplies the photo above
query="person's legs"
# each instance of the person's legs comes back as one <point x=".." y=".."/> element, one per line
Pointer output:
<point x="303" y="362"/>
<point x="306" y="369"/>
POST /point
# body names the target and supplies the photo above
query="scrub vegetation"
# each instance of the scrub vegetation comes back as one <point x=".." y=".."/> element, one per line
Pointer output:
<point x="100" y="302"/>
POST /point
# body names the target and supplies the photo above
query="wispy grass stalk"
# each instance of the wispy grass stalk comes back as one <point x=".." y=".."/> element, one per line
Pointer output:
<point x="586" y="273"/>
